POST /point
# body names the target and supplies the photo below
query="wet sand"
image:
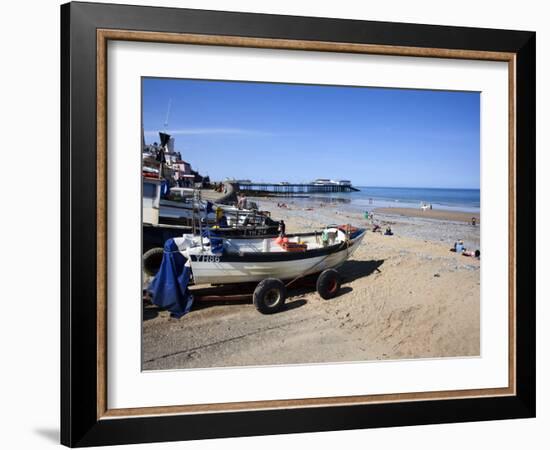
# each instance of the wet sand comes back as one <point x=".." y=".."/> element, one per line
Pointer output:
<point x="441" y="214"/>
<point x="403" y="296"/>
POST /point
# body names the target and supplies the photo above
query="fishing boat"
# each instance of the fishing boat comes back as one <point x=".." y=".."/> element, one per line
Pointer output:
<point x="186" y="210"/>
<point x="183" y="216"/>
<point x="272" y="263"/>
<point x="237" y="260"/>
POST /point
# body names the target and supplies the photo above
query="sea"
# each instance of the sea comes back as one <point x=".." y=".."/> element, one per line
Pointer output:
<point x="467" y="200"/>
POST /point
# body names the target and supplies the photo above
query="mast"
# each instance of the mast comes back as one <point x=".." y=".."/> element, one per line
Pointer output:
<point x="167" y="114"/>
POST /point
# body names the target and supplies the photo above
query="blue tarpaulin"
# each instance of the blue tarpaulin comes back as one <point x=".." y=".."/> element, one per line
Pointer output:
<point x="209" y="208"/>
<point x="169" y="287"/>
<point x="216" y="245"/>
<point x="164" y="188"/>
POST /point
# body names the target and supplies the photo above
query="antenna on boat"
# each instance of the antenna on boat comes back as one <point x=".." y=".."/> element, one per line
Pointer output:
<point x="197" y="199"/>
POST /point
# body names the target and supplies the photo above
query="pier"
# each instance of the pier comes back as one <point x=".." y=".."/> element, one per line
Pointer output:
<point x="290" y="189"/>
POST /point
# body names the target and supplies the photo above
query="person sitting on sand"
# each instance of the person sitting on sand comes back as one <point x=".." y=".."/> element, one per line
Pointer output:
<point x="474" y="221"/>
<point x="376" y="228"/>
<point x="459" y="246"/>
<point x="388" y="232"/>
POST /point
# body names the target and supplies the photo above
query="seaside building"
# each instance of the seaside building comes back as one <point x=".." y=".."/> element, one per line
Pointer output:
<point x="151" y="200"/>
<point x="176" y="170"/>
<point x="236" y="181"/>
<point x="183" y="173"/>
<point x="321" y="181"/>
<point x="327" y="182"/>
<point x="170" y="146"/>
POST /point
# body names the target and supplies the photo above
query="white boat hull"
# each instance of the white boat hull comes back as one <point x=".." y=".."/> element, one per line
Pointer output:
<point x="212" y="269"/>
<point x="180" y="210"/>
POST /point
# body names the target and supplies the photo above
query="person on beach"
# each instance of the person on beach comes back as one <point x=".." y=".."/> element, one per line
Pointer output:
<point x="221" y="219"/>
<point x="222" y="222"/>
<point x="241" y="201"/>
<point x="282" y="229"/>
<point x="161" y="158"/>
<point x="388" y="232"/>
<point x="474" y="220"/>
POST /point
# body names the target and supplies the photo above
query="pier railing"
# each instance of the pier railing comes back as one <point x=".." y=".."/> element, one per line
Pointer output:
<point x="292" y="189"/>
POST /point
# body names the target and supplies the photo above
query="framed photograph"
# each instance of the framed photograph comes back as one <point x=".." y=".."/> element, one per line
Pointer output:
<point x="277" y="224"/>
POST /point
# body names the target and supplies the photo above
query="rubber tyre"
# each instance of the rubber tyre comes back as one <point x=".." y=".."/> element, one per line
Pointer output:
<point x="328" y="284"/>
<point x="152" y="259"/>
<point x="269" y="296"/>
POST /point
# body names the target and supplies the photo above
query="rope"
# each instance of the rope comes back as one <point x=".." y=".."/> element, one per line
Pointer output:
<point x="319" y="262"/>
<point x="303" y="274"/>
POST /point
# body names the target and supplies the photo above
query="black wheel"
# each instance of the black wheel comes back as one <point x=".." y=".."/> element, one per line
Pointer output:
<point x="152" y="259"/>
<point x="269" y="296"/>
<point x="328" y="283"/>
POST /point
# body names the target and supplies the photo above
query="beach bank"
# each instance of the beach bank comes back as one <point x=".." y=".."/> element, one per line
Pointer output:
<point x="441" y="214"/>
<point x="437" y="225"/>
<point x="403" y="296"/>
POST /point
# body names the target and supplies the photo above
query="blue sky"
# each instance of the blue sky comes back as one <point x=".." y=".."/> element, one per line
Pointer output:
<point x="296" y="133"/>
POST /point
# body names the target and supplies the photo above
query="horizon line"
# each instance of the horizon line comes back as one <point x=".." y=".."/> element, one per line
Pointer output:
<point x="419" y="187"/>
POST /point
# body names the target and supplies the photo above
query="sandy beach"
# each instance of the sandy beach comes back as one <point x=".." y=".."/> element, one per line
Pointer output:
<point x="403" y="296"/>
<point x="442" y="214"/>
